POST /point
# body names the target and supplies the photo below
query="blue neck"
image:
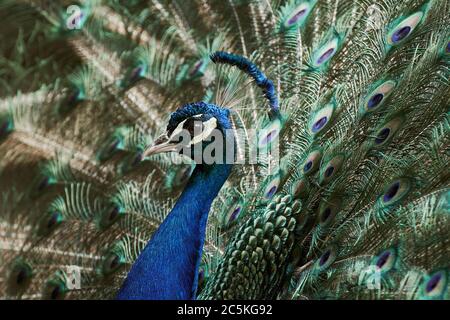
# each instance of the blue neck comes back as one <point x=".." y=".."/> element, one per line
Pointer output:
<point x="168" y="266"/>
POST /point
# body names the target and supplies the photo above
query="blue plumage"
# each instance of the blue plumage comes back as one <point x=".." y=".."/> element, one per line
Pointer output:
<point x="168" y="266"/>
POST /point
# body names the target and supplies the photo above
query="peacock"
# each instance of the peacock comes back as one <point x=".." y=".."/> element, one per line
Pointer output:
<point x="336" y="114"/>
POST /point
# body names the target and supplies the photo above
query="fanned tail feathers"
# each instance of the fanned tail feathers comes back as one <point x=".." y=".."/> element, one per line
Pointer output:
<point x="357" y="206"/>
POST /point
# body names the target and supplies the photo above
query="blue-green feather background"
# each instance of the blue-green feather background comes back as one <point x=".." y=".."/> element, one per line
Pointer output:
<point x="357" y="208"/>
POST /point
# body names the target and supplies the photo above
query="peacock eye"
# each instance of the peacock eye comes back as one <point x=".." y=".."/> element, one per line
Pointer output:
<point x="271" y="192"/>
<point x="53" y="219"/>
<point x="324" y="54"/>
<point x="329" y="171"/>
<point x="137" y="73"/>
<point x="269" y="137"/>
<point x="112" y="263"/>
<point x="387" y="132"/>
<point x="203" y="275"/>
<point x="327" y="213"/>
<point x="326" y="259"/>
<point x="269" y="134"/>
<point x="308" y="165"/>
<point x="55" y="289"/>
<point x="311" y="164"/>
<point x="110" y="215"/>
<point x="50" y="222"/>
<point x="20" y="276"/>
<point x="391" y="192"/>
<point x="5" y="127"/>
<point x="298" y="15"/>
<point x="404" y="29"/>
<point x="319" y="124"/>
<point x="272" y="187"/>
<point x="74" y="96"/>
<point x="382" y="135"/>
<point x="435" y="285"/>
<point x="375" y="100"/>
<point x="197" y="68"/>
<point x="55" y="293"/>
<point x="386" y="260"/>
<point x="234" y="215"/>
<point x="43" y="183"/>
<point x="130" y="162"/>
<point x="320" y="120"/>
<point x="134" y="75"/>
<point x="109" y="148"/>
<point x="299" y="189"/>
<point x="377" y="97"/>
<point x="447" y="49"/>
<point x="113" y="214"/>
<point x="400" y="34"/>
<point x="331" y="168"/>
<point x="395" y="192"/>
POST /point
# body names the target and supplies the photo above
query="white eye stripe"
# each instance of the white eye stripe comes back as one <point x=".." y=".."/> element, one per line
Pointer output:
<point x="208" y="127"/>
<point x="177" y="130"/>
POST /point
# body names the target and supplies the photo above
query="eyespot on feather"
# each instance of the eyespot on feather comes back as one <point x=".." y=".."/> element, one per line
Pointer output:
<point x="323" y="55"/>
<point x="321" y="119"/>
<point x="403" y="29"/>
<point x="55" y="288"/>
<point x="386" y="132"/>
<point x="111" y="263"/>
<point x="377" y="97"/>
<point x="395" y="191"/>
<point x="326" y="259"/>
<point x="272" y="187"/>
<point x="19" y="277"/>
<point x="328" y="211"/>
<point x="435" y="286"/>
<point x="386" y="260"/>
<point x="312" y="162"/>
<point x="269" y="134"/>
<point x="298" y="15"/>
<point x="329" y="171"/>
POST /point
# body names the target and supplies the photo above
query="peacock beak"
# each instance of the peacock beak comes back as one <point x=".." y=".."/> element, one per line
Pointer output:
<point x="162" y="144"/>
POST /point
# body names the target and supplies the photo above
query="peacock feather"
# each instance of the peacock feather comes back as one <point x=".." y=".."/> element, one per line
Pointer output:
<point x="346" y="103"/>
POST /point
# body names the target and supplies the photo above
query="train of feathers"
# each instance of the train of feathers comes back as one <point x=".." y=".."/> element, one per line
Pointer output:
<point x="355" y="204"/>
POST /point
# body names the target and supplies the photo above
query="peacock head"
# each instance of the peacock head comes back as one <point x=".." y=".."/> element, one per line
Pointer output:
<point x="201" y="131"/>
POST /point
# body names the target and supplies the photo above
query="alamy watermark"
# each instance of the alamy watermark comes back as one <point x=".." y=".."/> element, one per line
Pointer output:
<point x="75" y="17"/>
<point x="371" y="276"/>
<point x="73" y="278"/>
